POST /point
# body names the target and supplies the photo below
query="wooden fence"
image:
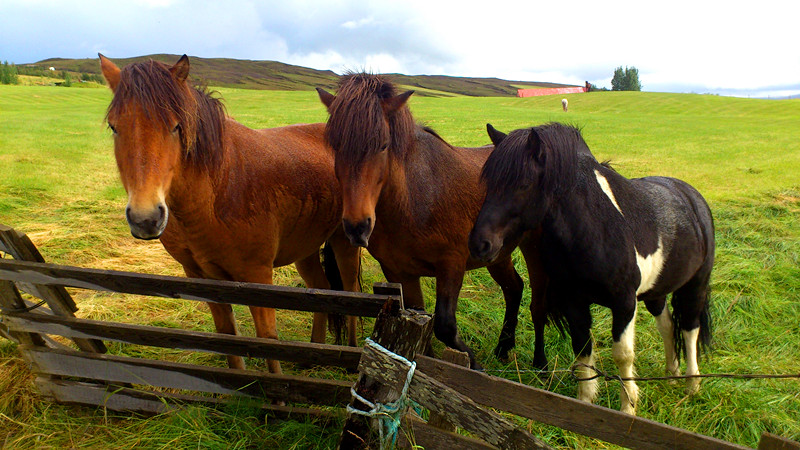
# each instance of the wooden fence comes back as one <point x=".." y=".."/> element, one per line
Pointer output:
<point x="455" y="395"/>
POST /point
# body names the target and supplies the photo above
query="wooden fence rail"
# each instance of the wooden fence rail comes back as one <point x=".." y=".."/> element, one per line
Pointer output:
<point x="456" y="395"/>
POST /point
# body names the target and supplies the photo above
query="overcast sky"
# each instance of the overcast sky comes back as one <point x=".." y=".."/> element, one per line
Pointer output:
<point x="733" y="47"/>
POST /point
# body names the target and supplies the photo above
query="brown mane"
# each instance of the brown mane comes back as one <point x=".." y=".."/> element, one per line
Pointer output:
<point x="358" y="107"/>
<point x="201" y="117"/>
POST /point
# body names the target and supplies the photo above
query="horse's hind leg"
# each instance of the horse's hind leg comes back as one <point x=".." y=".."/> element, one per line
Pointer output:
<point x="506" y="276"/>
<point x="538" y="281"/>
<point x="690" y="312"/>
<point x="310" y="270"/>
<point x="659" y="309"/>
<point x="348" y="259"/>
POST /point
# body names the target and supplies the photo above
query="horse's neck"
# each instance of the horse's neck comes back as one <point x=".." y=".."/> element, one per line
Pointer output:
<point x="195" y="187"/>
<point x="427" y="175"/>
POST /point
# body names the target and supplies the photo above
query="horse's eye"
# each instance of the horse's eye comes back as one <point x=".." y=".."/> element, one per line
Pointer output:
<point x="177" y="129"/>
<point x="113" y="130"/>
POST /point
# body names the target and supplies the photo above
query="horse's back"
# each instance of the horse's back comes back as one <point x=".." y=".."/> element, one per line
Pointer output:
<point x="276" y="196"/>
<point x="685" y="227"/>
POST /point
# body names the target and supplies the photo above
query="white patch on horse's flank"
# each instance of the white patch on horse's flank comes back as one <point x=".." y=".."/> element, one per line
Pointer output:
<point x="650" y="267"/>
<point x="601" y="180"/>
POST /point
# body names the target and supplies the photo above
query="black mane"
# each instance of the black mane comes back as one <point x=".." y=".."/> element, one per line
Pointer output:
<point x="513" y="164"/>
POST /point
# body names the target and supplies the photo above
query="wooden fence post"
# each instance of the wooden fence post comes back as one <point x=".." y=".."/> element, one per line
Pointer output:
<point x="404" y="333"/>
<point x="58" y="299"/>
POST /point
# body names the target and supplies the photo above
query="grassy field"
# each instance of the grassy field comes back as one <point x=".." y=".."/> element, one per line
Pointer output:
<point x="58" y="183"/>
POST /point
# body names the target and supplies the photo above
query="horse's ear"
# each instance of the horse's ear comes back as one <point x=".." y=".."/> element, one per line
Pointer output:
<point x="392" y="104"/>
<point x="535" y="144"/>
<point x="326" y="97"/>
<point x="496" y="136"/>
<point x="110" y="71"/>
<point x="181" y="69"/>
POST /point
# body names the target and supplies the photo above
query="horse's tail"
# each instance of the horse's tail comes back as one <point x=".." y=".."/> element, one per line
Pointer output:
<point x="336" y="322"/>
<point x="556" y="317"/>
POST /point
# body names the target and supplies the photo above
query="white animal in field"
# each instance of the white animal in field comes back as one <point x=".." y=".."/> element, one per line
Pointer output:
<point x="564" y="104"/>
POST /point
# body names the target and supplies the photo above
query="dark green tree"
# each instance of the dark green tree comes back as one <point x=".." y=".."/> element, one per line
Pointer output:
<point x="626" y="79"/>
<point x="632" y="79"/>
<point x="618" y="81"/>
<point x="67" y="80"/>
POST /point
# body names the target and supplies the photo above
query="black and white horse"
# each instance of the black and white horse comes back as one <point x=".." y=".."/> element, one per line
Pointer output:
<point x="607" y="240"/>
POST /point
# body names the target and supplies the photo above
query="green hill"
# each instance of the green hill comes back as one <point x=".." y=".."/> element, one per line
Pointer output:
<point x="273" y="75"/>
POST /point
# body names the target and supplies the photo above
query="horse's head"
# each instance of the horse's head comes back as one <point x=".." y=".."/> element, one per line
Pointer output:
<point x="513" y="176"/>
<point x="151" y="119"/>
<point x="368" y="126"/>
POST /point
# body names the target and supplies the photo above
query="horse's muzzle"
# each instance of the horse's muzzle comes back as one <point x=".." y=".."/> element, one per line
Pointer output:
<point x="147" y="224"/>
<point x="482" y="248"/>
<point x="359" y="233"/>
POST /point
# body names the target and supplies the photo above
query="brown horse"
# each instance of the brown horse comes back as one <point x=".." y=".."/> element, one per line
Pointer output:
<point x="411" y="199"/>
<point x="227" y="202"/>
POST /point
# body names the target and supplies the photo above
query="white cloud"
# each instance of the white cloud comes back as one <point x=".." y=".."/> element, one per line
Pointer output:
<point x="674" y="45"/>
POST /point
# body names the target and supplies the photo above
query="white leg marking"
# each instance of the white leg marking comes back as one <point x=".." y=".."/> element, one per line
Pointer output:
<point x="624" y="355"/>
<point x="587" y="390"/>
<point x="666" y="328"/>
<point x="601" y="180"/>
<point x="690" y="338"/>
<point x="650" y="267"/>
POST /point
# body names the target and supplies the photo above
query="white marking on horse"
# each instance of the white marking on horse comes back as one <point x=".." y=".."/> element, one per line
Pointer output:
<point x="601" y="180"/>
<point x="690" y="339"/>
<point x="623" y="352"/>
<point x="587" y="390"/>
<point x="666" y="328"/>
<point x="650" y="267"/>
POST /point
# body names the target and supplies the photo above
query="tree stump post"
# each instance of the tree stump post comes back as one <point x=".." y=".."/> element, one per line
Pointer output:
<point x="404" y="333"/>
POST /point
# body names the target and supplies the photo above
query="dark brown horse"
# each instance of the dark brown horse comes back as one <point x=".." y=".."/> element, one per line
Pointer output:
<point x="411" y="198"/>
<point x="227" y="202"/>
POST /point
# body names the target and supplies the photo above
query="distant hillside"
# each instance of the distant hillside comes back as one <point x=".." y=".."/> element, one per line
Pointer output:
<point x="274" y="75"/>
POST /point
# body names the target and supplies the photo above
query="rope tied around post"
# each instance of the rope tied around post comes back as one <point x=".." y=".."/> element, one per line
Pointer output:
<point x="388" y="414"/>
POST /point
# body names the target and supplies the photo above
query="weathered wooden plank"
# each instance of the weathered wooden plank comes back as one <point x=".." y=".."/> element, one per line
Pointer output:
<point x="119" y="369"/>
<point x="309" y="353"/>
<point x="459" y="409"/>
<point x="118" y="398"/>
<point x="566" y="412"/>
<point x="11" y="299"/>
<point x="416" y="433"/>
<point x="402" y="332"/>
<point x="393" y="289"/>
<point x="250" y="294"/>
<point x="458" y="358"/>
<point x="22" y="248"/>
<point x="771" y="441"/>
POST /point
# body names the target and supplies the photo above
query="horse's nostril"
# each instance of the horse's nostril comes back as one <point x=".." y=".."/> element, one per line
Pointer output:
<point x="484" y="247"/>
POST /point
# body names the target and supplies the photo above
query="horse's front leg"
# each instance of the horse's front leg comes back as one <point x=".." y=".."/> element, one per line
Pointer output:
<point x="506" y="276"/>
<point x="538" y="281"/>
<point x="448" y="286"/>
<point x="264" y="319"/>
<point x="623" y="331"/>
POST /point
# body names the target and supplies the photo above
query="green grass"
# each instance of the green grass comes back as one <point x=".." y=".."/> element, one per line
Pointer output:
<point x="58" y="183"/>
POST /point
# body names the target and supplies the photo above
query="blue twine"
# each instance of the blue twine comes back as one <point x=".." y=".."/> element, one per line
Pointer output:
<point x="388" y="414"/>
